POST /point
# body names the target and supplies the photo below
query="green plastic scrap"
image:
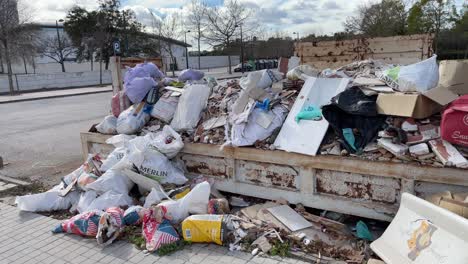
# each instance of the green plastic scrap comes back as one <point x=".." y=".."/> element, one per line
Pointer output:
<point x="349" y="137"/>
<point x="362" y="231"/>
<point x="309" y="113"/>
<point x="393" y="73"/>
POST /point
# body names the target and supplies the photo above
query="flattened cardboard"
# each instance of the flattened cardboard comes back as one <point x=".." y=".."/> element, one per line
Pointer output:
<point x="453" y="81"/>
<point x="406" y="105"/>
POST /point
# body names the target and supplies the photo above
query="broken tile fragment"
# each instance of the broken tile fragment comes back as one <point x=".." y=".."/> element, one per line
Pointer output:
<point x="395" y="149"/>
<point x="419" y="149"/>
<point x="448" y="154"/>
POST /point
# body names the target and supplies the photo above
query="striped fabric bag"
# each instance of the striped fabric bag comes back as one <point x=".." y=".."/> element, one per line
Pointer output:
<point x="85" y="224"/>
<point x="157" y="230"/>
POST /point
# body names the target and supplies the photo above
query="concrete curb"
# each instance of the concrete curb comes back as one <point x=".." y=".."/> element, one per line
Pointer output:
<point x="53" y="96"/>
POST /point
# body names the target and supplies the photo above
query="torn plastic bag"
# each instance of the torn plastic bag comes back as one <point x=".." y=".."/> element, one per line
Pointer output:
<point x="261" y="79"/>
<point x="110" y="226"/>
<point x="110" y="199"/>
<point x="86" y="198"/>
<point x="191" y="75"/>
<point x="137" y="88"/>
<point x="302" y="72"/>
<point x="158" y="167"/>
<point x="112" y="180"/>
<point x="260" y="126"/>
<point x="133" y="119"/>
<point x="113" y="158"/>
<point x="91" y="165"/>
<point x="191" y="103"/>
<point x="120" y="103"/>
<point x="152" y="69"/>
<point x="108" y="125"/>
<point x="85" y="179"/>
<point x="155" y="197"/>
<point x="354" y="110"/>
<point x="168" y="142"/>
<point x="157" y="230"/>
<point x="47" y="201"/>
<point x="195" y="202"/>
<point x="133" y="215"/>
<point x="84" y="224"/>
<point x="417" y="77"/>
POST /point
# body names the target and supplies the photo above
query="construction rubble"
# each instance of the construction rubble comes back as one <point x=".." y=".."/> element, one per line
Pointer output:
<point x="370" y="110"/>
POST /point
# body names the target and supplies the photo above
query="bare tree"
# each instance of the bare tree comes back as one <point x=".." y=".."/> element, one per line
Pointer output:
<point x="14" y="19"/>
<point x="170" y="28"/>
<point x="57" y="49"/>
<point x="222" y="24"/>
<point x="196" y="20"/>
<point x="386" y="18"/>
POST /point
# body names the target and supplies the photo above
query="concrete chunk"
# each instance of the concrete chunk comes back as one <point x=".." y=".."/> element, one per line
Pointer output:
<point x="419" y="149"/>
<point x="395" y="149"/>
<point x="448" y="154"/>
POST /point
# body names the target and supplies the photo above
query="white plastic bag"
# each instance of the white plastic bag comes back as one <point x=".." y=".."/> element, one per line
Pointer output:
<point x="195" y="202"/>
<point x="112" y="180"/>
<point x="108" y="125"/>
<point x="85" y="201"/>
<point x="119" y="140"/>
<point x="301" y="70"/>
<point x="158" y="167"/>
<point x="113" y="158"/>
<point x="418" y="77"/>
<point x="191" y="103"/>
<point x="132" y="120"/>
<point x="168" y="142"/>
<point x="110" y="199"/>
<point x="154" y="197"/>
<point x="259" y="126"/>
<point x="47" y="201"/>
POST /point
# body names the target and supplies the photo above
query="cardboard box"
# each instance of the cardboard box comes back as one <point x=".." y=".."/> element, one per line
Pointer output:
<point x="453" y="81"/>
<point x="407" y="105"/>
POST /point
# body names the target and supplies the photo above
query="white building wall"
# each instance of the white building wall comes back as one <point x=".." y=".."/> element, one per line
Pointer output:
<point x="54" y="80"/>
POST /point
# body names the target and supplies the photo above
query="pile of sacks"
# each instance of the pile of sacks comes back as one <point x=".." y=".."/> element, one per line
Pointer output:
<point x="149" y="94"/>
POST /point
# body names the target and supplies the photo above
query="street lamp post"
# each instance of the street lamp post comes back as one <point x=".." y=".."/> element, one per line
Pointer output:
<point x="242" y="49"/>
<point x="60" y="44"/>
<point x="296" y="33"/>
<point x="186" y="48"/>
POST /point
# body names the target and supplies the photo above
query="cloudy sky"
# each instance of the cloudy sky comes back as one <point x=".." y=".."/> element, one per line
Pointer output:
<point x="287" y="16"/>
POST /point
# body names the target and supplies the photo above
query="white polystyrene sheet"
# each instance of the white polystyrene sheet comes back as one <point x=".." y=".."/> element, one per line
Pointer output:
<point x="306" y="136"/>
<point x="423" y="233"/>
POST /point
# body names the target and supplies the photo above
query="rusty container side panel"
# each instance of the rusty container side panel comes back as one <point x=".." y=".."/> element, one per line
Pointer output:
<point x="205" y="165"/>
<point x="358" y="186"/>
<point x="267" y="174"/>
<point x="395" y="50"/>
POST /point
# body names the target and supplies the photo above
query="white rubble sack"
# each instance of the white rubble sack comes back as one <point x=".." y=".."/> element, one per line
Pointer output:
<point x="195" y="202"/>
<point x="112" y="180"/>
<point x="168" y="142"/>
<point x="110" y="199"/>
<point x="130" y="121"/>
<point x="47" y="201"/>
<point x="108" y="125"/>
<point x="155" y="196"/>
<point x="85" y="201"/>
<point x="259" y="126"/>
<point x="191" y="103"/>
<point x="158" y="167"/>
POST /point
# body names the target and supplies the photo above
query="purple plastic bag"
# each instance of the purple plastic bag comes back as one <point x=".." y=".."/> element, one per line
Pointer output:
<point x="191" y="75"/>
<point x="137" y="88"/>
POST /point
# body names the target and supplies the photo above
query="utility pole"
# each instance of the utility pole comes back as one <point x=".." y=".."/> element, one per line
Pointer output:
<point x="60" y="44"/>
<point x="186" y="48"/>
<point x="242" y="49"/>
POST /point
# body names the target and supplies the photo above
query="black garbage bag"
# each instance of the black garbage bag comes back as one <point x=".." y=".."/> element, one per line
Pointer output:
<point x="353" y="115"/>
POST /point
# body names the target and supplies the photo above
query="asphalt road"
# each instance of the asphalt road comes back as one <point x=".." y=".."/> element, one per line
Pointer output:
<point x="40" y="139"/>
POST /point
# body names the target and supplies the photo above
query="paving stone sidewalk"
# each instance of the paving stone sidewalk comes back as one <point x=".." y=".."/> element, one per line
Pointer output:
<point x="26" y="238"/>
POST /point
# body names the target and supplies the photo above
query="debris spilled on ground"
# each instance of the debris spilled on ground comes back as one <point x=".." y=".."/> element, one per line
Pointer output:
<point x="140" y="192"/>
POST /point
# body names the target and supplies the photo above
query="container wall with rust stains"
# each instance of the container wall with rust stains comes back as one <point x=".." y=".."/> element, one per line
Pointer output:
<point x="394" y="50"/>
<point x="347" y="185"/>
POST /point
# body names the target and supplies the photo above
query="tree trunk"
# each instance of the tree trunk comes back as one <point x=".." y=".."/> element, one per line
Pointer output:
<point x="229" y="58"/>
<point x="100" y="68"/>
<point x="25" y="66"/>
<point x="199" y="52"/>
<point x="173" y="65"/>
<point x="92" y="65"/>
<point x="63" y="65"/>
<point x="2" y="70"/>
<point x="33" y="65"/>
<point x="8" y="63"/>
